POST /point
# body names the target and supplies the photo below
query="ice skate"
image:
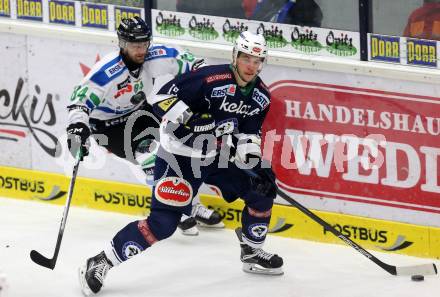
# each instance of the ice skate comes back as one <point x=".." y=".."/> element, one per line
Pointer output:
<point x="256" y="260"/>
<point x="188" y="226"/>
<point x="206" y="217"/>
<point x="92" y="274"/>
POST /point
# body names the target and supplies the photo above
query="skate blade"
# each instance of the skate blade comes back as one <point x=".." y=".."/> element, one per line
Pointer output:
<point x="82" y="281"/>
<point x="257" y="269"/>
<point x="193" y="231"/>
<point x="220" y="225"/>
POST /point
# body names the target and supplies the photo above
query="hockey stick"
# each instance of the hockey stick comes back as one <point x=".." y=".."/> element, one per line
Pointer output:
<point x="424" y="269"/>
<point x="36" y="256"/>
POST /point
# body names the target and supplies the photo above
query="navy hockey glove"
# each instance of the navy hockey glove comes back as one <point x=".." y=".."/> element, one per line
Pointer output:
<point x="263" y="181"/>
<point x="201" y="123"/>
<point x="77" y="136"/>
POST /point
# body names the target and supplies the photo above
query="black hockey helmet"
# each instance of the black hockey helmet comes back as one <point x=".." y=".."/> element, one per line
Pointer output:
<point x="133" y="30"/>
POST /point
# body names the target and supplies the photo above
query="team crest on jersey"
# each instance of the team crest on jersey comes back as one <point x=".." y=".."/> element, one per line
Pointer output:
<point x="174" y="191"/>
<point x="258" y="231"/>
<point x="222" y="91"/>
<point x="260" y="98"/>
<point x="112" y="70"/>
<point x="131" y="249"/>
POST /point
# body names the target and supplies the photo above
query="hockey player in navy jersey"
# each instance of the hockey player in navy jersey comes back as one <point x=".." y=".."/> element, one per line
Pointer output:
<point x="203" y="113"/>
<point x="111" y="103"/>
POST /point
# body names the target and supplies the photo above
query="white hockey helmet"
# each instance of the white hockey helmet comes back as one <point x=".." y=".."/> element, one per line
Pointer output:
<point x="249" y="43"/>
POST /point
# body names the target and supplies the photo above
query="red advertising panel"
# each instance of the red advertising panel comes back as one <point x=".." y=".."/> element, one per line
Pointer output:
<point x="355" y="144"/>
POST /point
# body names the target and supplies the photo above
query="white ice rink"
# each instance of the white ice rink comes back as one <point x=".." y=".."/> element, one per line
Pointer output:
<point x="204" y="266"/>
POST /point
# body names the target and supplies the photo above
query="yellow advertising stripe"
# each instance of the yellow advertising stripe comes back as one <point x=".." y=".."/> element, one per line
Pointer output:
<point x="286" y="221"/>
<point x="52" y="188"/>
<point x="380" y="235"/>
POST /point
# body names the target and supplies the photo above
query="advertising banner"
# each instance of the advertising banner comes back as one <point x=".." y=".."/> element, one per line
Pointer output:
<point x="16" y="120"/>
<point x="122" y="12"/>
<point x="402" y="50"/>
<point x="94" y="16"/>
<point x="384" y="48"/>
<point x="62" y="12"/>
<point x="370" y="144"/>
<point x="280" y="37"/>
<point x="421" y="52"/>
<point x="5" y="8"/>
<point x="357" y="145"/>
<point x="286" y="221"/>
<point x="31" y="10"/>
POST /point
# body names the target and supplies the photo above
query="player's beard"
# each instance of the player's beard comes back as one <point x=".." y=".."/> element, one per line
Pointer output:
<point x="132" y="62"/>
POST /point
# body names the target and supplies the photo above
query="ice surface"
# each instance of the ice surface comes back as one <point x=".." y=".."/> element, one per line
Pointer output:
<point x="204" y="266"/>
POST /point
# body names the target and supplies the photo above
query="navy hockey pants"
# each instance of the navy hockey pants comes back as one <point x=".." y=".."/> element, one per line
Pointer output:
<point x="177" y="181"/>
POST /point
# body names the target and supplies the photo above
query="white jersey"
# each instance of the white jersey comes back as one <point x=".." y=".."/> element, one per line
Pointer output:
<point x="110" y="91"/>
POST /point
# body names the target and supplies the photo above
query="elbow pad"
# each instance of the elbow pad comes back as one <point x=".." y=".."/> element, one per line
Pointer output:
<point x="172" y="109"/>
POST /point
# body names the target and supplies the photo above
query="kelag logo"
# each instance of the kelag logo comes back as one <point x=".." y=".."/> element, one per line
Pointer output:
<point x="169" y="26"/>
<point x="385" y="48"/>
<point x="371" y="235"/>
<point x="16" y="109"/>
<point x="421" y="52"/>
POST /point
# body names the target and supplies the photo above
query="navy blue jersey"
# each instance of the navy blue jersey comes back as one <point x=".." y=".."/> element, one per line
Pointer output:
<point x="213" y="89"/>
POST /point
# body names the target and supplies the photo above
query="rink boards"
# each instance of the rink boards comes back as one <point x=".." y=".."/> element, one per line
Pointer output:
<point x="286" y="221"/>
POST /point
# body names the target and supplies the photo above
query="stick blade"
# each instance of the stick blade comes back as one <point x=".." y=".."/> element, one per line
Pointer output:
<point x="424" y="269"/>
<point x="42" y="260"/>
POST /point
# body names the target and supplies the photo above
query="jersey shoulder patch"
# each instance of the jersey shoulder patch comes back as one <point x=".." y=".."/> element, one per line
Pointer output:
<point x="215" y="73"/>
<point x="161" y="51"/>
<point x="111" y="68"/>
<point x="261" y="94"/>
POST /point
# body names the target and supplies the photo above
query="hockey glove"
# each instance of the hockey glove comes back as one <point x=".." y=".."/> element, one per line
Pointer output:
<point x="77" y="136"/>
<point x="201" y="123"/>
<point x="263" y="181"/>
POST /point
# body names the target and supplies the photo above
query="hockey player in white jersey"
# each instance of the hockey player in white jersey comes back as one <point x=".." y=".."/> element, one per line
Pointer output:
<point x="110" y="104"/>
